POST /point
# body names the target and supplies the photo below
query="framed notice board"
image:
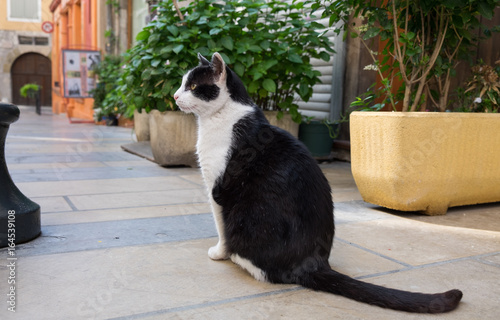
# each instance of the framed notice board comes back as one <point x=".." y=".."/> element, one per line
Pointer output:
<point x="79" y="72"/>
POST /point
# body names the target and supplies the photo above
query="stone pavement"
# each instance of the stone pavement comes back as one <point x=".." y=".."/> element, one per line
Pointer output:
<point x="123" y="238"/>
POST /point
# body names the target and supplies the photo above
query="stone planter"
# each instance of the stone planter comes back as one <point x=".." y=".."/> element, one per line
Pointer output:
<point x="125" y="122"/>
<point x="285" y="123"/>
<point x="426" y="161"/>
<point x="141" y="125"/>
<point x="173" y="138"/>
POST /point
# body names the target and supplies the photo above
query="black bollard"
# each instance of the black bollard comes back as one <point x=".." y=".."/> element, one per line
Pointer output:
<point x="19" y="216"/>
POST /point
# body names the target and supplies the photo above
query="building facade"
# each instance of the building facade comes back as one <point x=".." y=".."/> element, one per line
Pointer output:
<point x="84" y="31"/>
<point x="25" y="49"/>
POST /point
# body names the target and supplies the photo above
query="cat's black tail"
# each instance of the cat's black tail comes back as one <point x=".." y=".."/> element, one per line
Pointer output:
<point x="337" y="283"/>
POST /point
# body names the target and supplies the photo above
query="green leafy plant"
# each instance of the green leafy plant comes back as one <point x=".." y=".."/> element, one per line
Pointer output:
<point x="106" y="100"/>
<point x="269" y="44"/>
<point x="365" y="102"/>
<point x="482" y="93"/>
<point x="425" y="40"/>
<point x="29" y="90"/>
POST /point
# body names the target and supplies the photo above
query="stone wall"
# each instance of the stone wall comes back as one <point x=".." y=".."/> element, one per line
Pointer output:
<point x="10" y="50"/>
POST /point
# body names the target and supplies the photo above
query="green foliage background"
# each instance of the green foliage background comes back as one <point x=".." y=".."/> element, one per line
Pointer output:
<point x="269" y="44"/>
<point x="428" y="38"/>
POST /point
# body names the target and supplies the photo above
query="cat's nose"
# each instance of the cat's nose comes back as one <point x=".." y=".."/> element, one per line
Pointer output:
<point x="176" y="96"/>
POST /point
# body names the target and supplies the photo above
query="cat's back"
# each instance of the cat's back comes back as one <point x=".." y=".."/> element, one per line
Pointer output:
<point x="266" y="161"/>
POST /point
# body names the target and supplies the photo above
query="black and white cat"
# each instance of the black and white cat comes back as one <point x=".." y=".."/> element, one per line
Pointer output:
<point x="271" y="203"/>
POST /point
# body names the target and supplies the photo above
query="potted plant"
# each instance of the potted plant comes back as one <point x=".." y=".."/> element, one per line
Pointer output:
<point x="32" y="91"/>
<point x="269" y="44"/>
<point x="425" y="161"/>
<point x="318" y="136"/>
<point x="108" y="107"/>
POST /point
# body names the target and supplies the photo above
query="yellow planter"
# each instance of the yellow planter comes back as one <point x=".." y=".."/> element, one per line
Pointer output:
<point x="426" y="161"/>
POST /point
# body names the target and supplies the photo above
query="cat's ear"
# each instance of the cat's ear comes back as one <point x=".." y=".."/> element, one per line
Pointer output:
<point x="203" y="60"/>
<point x="219" y="67"/>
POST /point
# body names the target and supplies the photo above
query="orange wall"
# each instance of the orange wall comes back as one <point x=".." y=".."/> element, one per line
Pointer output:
<point x="75" y="28"/>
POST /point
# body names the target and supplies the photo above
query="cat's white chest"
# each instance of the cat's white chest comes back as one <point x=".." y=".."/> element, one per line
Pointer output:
<point x="215" y="136"/>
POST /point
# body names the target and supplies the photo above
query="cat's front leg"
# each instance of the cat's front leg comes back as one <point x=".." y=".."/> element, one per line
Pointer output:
<point x="219" y="251"/>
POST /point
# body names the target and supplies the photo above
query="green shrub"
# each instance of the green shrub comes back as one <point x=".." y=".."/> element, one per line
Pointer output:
<point x="106" y="100"/>
<point x="269" y="44"/>
<point x="424" y="40"/>
<point x="29" y="90"/>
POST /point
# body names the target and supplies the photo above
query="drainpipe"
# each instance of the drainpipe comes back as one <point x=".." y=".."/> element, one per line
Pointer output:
<point x="109" y="27"/>
<point x="338" y="75"/>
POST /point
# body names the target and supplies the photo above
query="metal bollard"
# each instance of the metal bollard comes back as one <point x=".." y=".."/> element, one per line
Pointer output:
<point x="19" y="216"/>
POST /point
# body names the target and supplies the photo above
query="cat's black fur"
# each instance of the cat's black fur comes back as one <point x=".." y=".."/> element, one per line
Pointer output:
<point x="278" y="210"/>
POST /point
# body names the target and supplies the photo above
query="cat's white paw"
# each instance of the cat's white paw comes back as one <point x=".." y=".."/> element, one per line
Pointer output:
<point x="218" y="252"/>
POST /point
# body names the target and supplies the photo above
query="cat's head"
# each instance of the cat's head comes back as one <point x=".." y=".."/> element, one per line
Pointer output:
<point x="209" y="86"/>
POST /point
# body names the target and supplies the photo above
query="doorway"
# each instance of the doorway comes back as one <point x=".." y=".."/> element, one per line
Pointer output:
<point x="32" y="68"/>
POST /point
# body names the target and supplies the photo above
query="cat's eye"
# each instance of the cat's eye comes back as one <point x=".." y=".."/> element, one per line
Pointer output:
<point x="193" y="86"/>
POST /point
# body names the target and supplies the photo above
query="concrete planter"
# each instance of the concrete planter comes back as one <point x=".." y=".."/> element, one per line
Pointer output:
<point x="125" y="122"/>
<point x="141" y="125"/>
<point x="173" y="138"/>
<point x="285" y="123"/>
<point x="426" y="161"/>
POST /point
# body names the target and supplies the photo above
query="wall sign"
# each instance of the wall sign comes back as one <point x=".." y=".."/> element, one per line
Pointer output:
<point x="47" y="27"/>
<point x="79" y="72"/>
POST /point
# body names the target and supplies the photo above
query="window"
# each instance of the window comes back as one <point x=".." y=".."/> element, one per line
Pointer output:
<point x="25" y="40"/>
<point x="37" y="41"/>
<point x="25" y="10"/>
<point x="41" y="41"/>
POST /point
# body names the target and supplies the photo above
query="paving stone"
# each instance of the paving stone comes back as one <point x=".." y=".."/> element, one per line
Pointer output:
<point x="70" y="217"/>
<point x="126" y="239"/>
<point x="126" y="184"/>
<point x="116" y="282"/>
<point x="118" y="233"/>
<point x="134" y="199"/>
<point x="418" y="243"/>
<point x="480" y="299"/>
<point x="52" y="204"/>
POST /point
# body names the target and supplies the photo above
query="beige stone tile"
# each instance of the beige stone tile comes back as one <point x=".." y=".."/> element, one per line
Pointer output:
<point x="139" y="199"/>
<point x="341" y="181"/>
<point x="480" y="301"/>
<point x="74" y="147"/>
<point x="474" y="279"/>
<point x="418" y="243"/>
<point x="195" y="178"/>
<point x="87" y="187"/>
<point x="52" y="204"/>
<point x="137" y="163"/>
<point x="123" y="214"/>
<point x="117" y="282"/>
<point x="29" y="166"/>
<point x="355" y="211"/>
<point x="482" y="217"/>
<point x="356" y="262"/>
<point x="493" y="259"/>
<point x="344" y="195"/>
